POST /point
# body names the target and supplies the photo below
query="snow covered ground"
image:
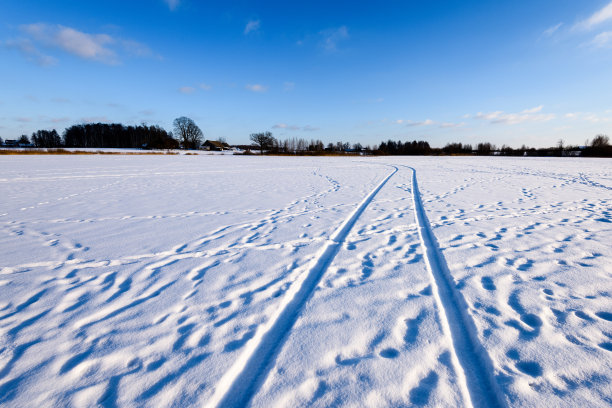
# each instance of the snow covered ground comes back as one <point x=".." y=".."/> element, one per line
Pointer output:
<point x="282" y="281"/>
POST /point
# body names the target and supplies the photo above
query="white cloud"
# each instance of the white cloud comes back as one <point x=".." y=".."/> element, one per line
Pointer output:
<point x="550" y="31"/>
<point x="60" y="120"/>
<point x="94" y="47"/>
<point x="594" y="118"/>
<point x="252" y="25"/>
<point x="597" y="18"/>
<point x="256" y="88"/>
<point x="29" y="50"/>
<point x="602" y="40"/>
<point x="411" y="123"/>
<point x="527" y="115"/>
<point x="193" y="89"/>
<point x="449" y="125"/>
<point x="590" y="117"/>
<point x="332" y="36"/>
<point x="87" y="46"/>
<point x="537" y="109"/>
<point x="137" y="49"/>
<point x="95" y="119"/>
<point x="285" y="126"/>
<point x="288" y="86"/>
<point x="172" y="4"/>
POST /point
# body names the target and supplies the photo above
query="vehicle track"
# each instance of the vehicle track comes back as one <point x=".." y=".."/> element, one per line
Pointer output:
<point x="241" y="381"/>
<point x="471" y="361"/>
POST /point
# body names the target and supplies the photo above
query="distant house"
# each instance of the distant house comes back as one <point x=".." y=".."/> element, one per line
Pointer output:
<point x="215" y="145"/>
<point x="11" y="143"/>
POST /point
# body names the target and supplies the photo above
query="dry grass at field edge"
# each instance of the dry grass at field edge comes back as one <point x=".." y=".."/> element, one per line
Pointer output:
<point x="77" y="152"/>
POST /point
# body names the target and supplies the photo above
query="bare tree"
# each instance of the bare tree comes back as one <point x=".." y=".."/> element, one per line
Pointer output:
<point x="561" y="144"/>
<point x="46" y="138"/>
<point x="600" y="141"/>
<point x="264" y="140"/>
<point x="188" y="133"/>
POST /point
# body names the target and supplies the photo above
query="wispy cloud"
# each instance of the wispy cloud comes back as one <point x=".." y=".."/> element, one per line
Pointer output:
<point x="94" y="47"/>
<point x="602" y="15"/>
<point x="137" y="49"/>
<point x="30" y="52"/>
<point x="549" y="32"/>
<point x="172" y="4"/>
<point x="527" y="115"/>
<point x="288" y="86"/>
<point x="251" y="26"/>
<point x="590" y="117"/>
<point x="411" y="123"/>
<point x="602" y="40"/>
<point x="192" y="89"/>
<point x="87" y="46"/>
<point x="285" y="126"/>
<point x="256" y="88"/>
<point x="59" y="120"/>
<point x="187" y="89"/>
<point x="331" y="37"/>
<point x="41" y="118"/>
<point x="450" y="125"/>
<point x="95" y="119"/>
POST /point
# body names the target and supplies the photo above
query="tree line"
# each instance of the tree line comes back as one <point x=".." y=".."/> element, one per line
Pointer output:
<point x="264" y="142"/>
<point x="115" y="135"/>
<point x="188" y="135"/>
<point x="598" y="147"/>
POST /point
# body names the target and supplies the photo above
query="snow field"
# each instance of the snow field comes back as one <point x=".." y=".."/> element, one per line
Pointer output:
<point x="532" y="259"/>
<point x="222" y="281"/>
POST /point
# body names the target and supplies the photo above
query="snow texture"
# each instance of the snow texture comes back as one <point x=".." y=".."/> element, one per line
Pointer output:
<point x="218" y="280"/>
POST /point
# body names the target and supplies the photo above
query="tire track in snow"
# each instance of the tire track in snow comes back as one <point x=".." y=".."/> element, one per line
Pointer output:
<point x="241" y="381"/>
<point x="470" y="359"/>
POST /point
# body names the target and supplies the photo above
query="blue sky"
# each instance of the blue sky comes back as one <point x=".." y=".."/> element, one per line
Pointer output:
<point x="504" y="71"/>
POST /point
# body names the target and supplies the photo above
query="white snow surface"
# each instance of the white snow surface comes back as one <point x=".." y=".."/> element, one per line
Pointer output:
<point x="228" y="281"/>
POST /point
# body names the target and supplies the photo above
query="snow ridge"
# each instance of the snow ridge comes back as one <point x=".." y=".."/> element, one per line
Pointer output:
<point x="241" y="381"/>
<point x="470" y="359"/>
